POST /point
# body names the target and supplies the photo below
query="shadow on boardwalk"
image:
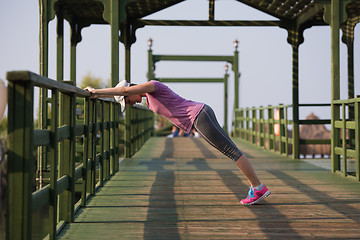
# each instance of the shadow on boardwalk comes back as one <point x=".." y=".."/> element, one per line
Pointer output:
<point x="181" y="188"/>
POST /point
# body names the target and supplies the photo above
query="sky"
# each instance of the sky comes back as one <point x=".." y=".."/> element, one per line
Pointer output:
<point x="265" y="57"/>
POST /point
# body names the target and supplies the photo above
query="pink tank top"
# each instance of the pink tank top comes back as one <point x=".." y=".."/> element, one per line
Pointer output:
<point x="181" y="112"/>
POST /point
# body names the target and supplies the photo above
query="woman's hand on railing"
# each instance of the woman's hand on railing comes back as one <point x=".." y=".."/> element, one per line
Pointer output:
<point x="92" y="91"/>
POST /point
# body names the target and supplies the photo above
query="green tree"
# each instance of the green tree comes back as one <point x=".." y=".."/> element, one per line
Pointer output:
<point x="90" y="80"/>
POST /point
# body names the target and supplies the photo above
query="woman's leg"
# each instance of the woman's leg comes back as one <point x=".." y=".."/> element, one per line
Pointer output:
<point x="209" y="128"/>
<point x="247" y="169"/>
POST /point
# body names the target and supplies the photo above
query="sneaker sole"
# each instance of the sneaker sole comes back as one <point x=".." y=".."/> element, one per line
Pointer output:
<point x="260" y="198"/>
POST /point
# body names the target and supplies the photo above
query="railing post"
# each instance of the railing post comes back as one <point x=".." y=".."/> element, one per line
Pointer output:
<point x="112" y="138"/>
<point x="271" y="128"/>
<point x="53" y="157"/>
<point x="94" y="132"/>
<point x="86" y="150"/>
<point x="226" y="102"/>
<point x="357" y="137"/>
<point x="117" y="137"/>
<point x="67" y="156"/>
<point x="282" y="129"/>
<point x="106" y="160"/>
<point x="20" y="152"/>
<point x="128" y="132"/>
<point x="261" y="125"/>
<point x="247" y="124"/>
<point x="286" y="131"/>
<point x="344" y="160"/>
<point x="242" y="124"/>
<point x="102" y="160"/>
<point x="254" y="126"/>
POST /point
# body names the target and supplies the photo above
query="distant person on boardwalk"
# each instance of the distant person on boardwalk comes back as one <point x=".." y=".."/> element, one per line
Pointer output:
<point x="187" y="115"/>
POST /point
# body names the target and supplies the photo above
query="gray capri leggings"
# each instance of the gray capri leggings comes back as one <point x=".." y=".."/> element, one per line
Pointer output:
<point x="208" y="127"/>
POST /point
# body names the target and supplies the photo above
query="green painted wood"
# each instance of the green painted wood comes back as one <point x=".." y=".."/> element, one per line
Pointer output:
<point x="45" y="82"/>
<point x="63" y="133"/>
<point x="191" y="80"/>
<point x="183" y="188"/>
<point x="117" y="136"/>
<point x="335" y="81"/>
<point x="102" y="145"/>
<point x="41" y="137"/>
<point x="207" y="23"/>
<point x="74" y="31"/>
<point x="20" y="154"/>
<point x="86" y="154"/>
<point x="107" y="141"/>
<point x="114" y="21"/>
<point x="295" y="101"/>
<point x="67" y="156"/>
<point x="357" y="140"/>
<point x="40" y="198"/>
<point x="60" y="47"/>
<point x="95" y="129"/>
<point x="43" y="64"/>
<point x="228" y="59"/>
<point x="226" y="102"/>
<point x="344" y="160"/>
<point x="53" y="159"/>
<point x="235" y="68"/>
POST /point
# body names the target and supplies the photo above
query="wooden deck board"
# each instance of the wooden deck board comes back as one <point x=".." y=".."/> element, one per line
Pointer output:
<point x="184" y="189"/>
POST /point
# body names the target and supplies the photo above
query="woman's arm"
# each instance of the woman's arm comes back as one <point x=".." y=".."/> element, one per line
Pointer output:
<point x="147" y="87"/>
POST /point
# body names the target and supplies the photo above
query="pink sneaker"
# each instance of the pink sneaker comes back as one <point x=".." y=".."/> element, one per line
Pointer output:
<point x="254" y="196"/>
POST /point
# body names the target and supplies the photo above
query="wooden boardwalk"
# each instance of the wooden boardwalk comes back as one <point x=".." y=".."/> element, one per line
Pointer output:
<point x="181" y="188"/>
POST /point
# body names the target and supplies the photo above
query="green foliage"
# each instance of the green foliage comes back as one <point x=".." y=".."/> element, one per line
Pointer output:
<point x="90" y="80"/>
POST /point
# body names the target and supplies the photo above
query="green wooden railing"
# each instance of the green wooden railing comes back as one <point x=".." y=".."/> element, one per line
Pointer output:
<point x="100" y="135"/>
<point x="348" y="145"/>
<point x="256" y="125"/>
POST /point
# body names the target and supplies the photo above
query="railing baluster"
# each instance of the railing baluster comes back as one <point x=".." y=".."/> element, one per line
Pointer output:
<point x="357" y="139"/>
<point x="86" y="151"/>
<point x="53" y="157"/>
<point x="20" y="155"/>
<point x="344" y="163"/>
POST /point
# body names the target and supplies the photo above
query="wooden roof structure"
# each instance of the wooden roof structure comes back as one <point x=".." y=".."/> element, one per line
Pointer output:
<point x="86" y="12"/>
<point x="301" y="11"/>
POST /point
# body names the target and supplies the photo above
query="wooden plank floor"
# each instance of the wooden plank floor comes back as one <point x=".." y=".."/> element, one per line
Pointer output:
<point x="181" y="188"/>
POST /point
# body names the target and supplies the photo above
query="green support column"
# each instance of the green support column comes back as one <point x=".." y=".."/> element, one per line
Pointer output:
<point x="60" y="47"/>
<point x="335" y="81"/>
<point x="348" y="39"/>
<point x="73" y="43"/>
<point x="43" y="93"/>
<point x="295" y="38"/>
<point x="114" y="42"/>
<point x="236" y="75"/>
<point x="295" y="102"/>
<point x="150" y="73"/>
<point x="226" y="98"/>
<point x="335" y="15"/>
<point x="127" y="37"/>
<point x="127" y="43"/>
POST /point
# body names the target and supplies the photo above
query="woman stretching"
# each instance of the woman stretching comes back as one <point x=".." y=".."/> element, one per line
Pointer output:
<point x="187" y="115"/>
